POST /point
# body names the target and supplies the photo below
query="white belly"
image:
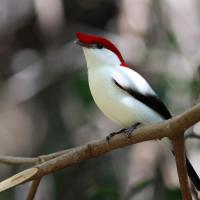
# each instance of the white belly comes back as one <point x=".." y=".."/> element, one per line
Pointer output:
<point x="117" y="104"/>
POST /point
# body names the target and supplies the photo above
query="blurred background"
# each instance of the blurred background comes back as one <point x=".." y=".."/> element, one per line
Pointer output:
<point x="46" y="106"/>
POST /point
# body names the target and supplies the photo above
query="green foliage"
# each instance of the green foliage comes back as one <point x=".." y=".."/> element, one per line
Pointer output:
<point x="161" y="85"/>
<point x="79" y="84"/>
<point x="6" y="195"/>
<point x="171" y="39"/>
<point x="193" y="86"/>
<point x="102" y="193"/>
<point x="173" y="194"/>
<point x="138" y="188"/>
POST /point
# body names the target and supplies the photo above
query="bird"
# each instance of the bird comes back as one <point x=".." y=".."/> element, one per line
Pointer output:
<point x="121" y="93"/>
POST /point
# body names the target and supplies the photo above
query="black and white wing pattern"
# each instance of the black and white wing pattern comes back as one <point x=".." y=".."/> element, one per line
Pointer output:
<point x="150" y="100"/>
<point x="136" y="86"/>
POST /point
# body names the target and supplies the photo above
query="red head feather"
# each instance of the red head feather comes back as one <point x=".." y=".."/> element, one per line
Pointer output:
<point x="92" y="39"/>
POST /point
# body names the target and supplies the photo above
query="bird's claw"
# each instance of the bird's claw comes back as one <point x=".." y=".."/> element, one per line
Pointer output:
<point x="115" y="133"/>
<point x="127" y="131"/>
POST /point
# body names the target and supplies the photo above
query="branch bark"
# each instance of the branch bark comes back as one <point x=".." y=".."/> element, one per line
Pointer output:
<point x="33" y="189"/>
<point x="179" y="149"/>
<point x="11" y="160"/>
<point x="173" y="128"/>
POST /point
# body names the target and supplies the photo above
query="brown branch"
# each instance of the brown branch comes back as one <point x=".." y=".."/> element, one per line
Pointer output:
<point x="33" y="189"/>
<point x="172" y="128"/>
<point x="179" y="149"/>
<point x="11" y="160"/>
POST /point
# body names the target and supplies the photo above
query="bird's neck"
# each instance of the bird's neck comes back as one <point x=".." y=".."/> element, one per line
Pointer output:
<point x="100" y="58"/>
<point x="101" y="70"/>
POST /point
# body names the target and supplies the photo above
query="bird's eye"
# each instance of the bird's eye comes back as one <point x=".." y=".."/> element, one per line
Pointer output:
<point x="99" y="46"/>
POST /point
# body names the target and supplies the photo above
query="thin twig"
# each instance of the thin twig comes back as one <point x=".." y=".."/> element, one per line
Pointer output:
<point x="11" y="160"/>
<point x="33" y="189"/>
<point x="179" y="149"/>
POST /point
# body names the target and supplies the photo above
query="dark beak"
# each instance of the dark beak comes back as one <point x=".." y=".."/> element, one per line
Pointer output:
<point x="82" y="44"/>
<point x="77" y="42"/>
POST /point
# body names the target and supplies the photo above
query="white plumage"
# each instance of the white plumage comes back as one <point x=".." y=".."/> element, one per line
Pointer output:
<point x="118" y="105"/>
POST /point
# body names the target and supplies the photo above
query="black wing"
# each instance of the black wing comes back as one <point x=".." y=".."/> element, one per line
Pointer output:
<point x="149" y="100"/>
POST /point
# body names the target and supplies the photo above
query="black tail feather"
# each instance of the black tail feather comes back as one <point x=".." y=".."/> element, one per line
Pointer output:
<point x="193" y="175"/>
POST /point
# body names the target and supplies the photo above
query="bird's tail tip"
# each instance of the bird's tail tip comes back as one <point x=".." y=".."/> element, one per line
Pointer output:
<point x="193" y="175"/>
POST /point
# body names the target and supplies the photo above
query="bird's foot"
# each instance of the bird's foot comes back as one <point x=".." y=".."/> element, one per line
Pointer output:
<point x="127" y="131"/>
<point x="115" y="133"/>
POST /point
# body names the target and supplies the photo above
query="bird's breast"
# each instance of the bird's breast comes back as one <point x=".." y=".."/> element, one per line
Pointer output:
<point x="115" y="103"/>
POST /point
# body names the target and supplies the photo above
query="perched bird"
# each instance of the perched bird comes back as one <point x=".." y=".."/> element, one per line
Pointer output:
<point x="122" y="94"/>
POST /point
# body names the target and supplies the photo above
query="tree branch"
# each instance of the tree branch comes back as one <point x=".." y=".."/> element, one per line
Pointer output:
<point x="33" y="189"/>
<point x="173" y="128"/>
<point x="11" y="160"/>
<point x="179" y="149"/>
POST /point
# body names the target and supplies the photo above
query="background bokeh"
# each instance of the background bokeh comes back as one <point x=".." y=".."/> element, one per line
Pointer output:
<point x="46" y="106"/>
